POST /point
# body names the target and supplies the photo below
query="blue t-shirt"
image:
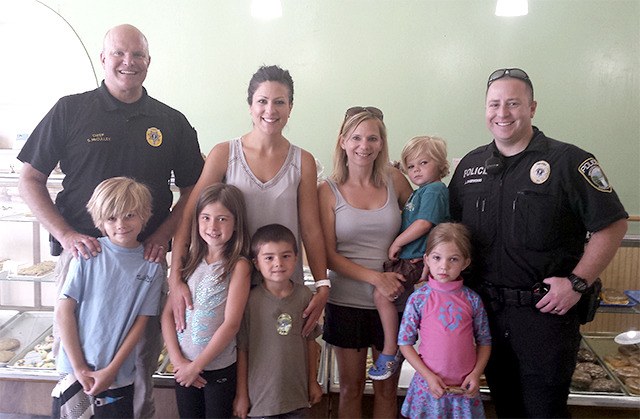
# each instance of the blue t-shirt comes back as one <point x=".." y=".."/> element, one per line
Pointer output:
<point x="111" y="290"/>
<point x="429" y="202"/>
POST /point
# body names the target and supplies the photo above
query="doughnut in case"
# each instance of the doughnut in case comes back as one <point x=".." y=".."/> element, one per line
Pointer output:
<point x="613" y="296"/>
<point x="585" y="355"/>
<point x="627" y="371"/>
<point x="633" y="385"/>
<point x="629" y="350"/>
<point x="594" y="370"/>
<point x="5" y="356"/>
<point x="8" y="344"/>
<point x="605" y="385"/>
<point x="580" y="380"/>
<point x="616" y="360"/>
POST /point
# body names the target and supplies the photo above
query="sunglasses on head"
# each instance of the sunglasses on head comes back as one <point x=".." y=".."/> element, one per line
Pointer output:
<point x="359" y="109"/>
<point x="515" y="73"/>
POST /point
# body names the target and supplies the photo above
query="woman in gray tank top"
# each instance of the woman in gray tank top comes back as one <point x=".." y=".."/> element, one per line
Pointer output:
<point x="360" y="213"/>
<point x="278" y="181"/>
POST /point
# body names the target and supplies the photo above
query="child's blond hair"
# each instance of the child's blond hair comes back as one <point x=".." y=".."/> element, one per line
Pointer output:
<point x="434" y="148"/>
<point x="116" y="197"/>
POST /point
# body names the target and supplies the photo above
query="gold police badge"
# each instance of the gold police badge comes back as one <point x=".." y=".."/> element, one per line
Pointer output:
<point x="154" y="137"/>
<point x="591" y="170"/>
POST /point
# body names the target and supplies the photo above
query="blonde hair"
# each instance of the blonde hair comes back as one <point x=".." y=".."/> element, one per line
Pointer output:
<point x="455" y="233"/>
<point x="434" y="148"/>
<point x="381" y="164"/>
<point x="116" y="197"/>
<point x="237" y="247"/>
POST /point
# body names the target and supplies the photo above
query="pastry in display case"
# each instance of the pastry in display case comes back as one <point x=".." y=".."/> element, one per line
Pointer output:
<point x="621" y="361"/>
<point x="613" y="297"/>
<point x="21" y="331"/>
<point x="37" y="270"/>
<point x="591" y="377"/>
<point x="39" y="355"/>
<point x="165" y="367"/>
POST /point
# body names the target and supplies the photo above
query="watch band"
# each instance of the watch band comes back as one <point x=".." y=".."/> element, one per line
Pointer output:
<point x="578" y="284"/>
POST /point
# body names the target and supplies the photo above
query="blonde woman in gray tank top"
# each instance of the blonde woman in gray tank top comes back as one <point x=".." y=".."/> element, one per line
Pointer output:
<point x="360" y="213"/>
<point x="278" y="181"/>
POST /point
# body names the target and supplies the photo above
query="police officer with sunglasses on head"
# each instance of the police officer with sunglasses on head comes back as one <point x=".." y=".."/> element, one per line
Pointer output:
<point x="530" y="202"/>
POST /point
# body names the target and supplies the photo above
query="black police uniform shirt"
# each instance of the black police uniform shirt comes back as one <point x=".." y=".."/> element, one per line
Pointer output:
<point x="95" y="137"/>
<point x="529" y="221"/>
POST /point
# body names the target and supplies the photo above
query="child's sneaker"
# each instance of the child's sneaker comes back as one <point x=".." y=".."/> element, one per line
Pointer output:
<point x="384" y="367"/>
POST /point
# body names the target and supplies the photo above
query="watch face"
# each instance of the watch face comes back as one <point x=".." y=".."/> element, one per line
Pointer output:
<point x="579" y="284"/>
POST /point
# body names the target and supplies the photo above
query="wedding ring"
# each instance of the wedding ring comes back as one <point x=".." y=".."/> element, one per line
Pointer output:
<point x="395" y="297"/>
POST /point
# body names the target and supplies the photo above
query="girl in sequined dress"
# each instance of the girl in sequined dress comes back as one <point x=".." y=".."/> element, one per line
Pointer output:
<point x="218" y="275"/>
<point x="451" y="323"/>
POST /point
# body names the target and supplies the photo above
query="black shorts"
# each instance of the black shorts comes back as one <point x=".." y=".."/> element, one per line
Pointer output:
<point x="353" y="328"/>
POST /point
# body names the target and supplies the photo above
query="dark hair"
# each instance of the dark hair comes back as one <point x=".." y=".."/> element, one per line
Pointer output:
<point x="237" y="246"/>
<point x="270" y="73"/>
<point x="272" y="233"/>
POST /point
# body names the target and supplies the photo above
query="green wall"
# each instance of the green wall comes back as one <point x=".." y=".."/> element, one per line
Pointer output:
<point x="424" y="63"/>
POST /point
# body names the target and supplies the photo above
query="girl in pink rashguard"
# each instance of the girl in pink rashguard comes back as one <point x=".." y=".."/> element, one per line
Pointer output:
<point x="450" y="321"/>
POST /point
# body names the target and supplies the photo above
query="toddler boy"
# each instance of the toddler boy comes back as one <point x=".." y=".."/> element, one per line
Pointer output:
<point x="424" y="160"/>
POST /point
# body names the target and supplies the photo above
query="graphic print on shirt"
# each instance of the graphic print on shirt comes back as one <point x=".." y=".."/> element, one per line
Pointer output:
<point x="210" y="292"/>
<point x="450" y="315"/>
<point x="284" y="324"/>
<point x="409" y="206"/>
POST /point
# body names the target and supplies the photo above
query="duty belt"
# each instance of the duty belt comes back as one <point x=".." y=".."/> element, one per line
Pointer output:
<point x="499" y="297"/>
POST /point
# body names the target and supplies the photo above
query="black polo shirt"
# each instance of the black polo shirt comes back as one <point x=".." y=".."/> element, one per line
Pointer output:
<point x="94" y="137"/>
<point x="530" y="220"/>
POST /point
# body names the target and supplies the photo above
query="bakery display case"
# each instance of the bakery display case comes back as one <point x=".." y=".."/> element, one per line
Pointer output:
<point x="622" y="361"/>
<point x="26" y="279"/>
<point x="20" y="332"/>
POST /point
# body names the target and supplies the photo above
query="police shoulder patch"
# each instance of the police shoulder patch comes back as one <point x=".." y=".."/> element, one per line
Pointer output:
<point x="592" y="172"/>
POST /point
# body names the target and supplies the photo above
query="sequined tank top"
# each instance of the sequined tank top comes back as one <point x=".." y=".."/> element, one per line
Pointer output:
<point x="209" y="289"/>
